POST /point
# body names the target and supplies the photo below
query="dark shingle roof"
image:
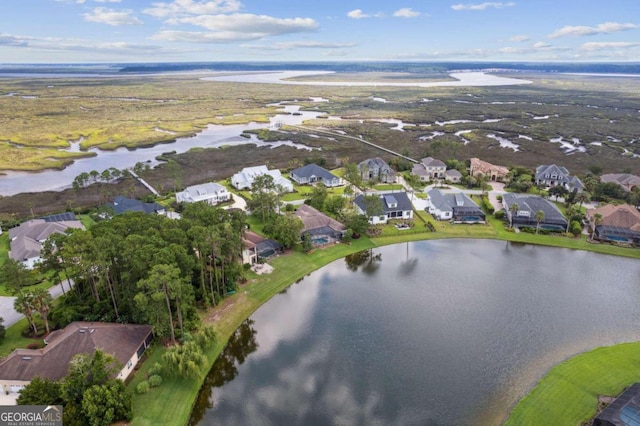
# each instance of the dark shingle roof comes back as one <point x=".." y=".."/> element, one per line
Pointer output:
<point x="313" y="170"/>
<point x="60" y="217"/>
<point x="375" y="163"/>
<point x="401" y="200"/>
<point x="532" y="204"/>
<point x="52" y="362"/>
<point x="624" y="410"/>
<point x="451" y="202"/>
<point x="123" y="204"/>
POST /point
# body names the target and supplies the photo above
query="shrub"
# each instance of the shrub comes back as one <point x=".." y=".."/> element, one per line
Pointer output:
<point x="143" y="387"/>
<point x="575" y="228"/>
<point x="155" y="369"/>
<point x="499" y="214"/>
<point x="155" y="381"/>
<point x="35" y="345"/>
<point x="499" y="198"/>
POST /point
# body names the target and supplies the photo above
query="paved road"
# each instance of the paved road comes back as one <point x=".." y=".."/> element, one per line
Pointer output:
<point x="10" y="315"/>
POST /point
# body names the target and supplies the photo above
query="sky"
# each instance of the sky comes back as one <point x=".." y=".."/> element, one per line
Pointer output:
<point x="52" y="31"/>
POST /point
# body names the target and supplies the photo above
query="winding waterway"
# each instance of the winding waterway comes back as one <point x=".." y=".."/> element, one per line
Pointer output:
<point x="449" y="332"/>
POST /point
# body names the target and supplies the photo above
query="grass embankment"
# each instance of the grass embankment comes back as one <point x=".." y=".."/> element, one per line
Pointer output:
<point x="568" y="394"/>
<point x="170" y="404"/>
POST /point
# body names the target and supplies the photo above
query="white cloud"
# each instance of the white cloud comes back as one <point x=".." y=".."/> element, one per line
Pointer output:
<point x="406" y="12"/>
<point x="107" y="16"/>
<point x="190" y="7"/>
<point x="520" y="38"/>
<point x="541" y="45"/>
<point x="605" y="28"/>
<point x="71" y="1"/>
<point x="106" y="1"/>
<point x="299" y="45"/>
<point x="482" y="6"/>
<point x="606" y="45"/>
<point x="357" y="14"/>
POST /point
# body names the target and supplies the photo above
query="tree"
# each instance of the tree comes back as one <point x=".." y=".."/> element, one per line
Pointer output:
<point x="185" y="360"/>
<point x="108" y="403"/>
<point x="558" y="191"/>
<point x="307" y="244"/>
<point x="597" y="220"/>
<point x="42" y="303"/>
<point x="3" y="331"/>
<point x="285" y="229"/>
<point x="24" y="304"/>
<point x="373" y="205"/>
<point x="539" y="218"/>
<point x="40" y="392"/>
<point x="353" y="176"/>
<point x="582" y="197"/>
<point x="513" y="209"/>
<point x="318" y="196"/>
<point x="334" y="204"/>
<point x="265" y="196"/>
<point x="14" y="275"/>
<point x="106" y="175"/>
<point x="358" y="223"/>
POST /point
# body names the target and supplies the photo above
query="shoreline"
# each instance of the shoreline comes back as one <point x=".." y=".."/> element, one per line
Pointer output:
<point x="251" y="296"/>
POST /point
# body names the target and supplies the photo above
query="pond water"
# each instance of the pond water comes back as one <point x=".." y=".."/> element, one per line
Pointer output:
<point x="449" y="332"/>
<point x="213" y="136"/>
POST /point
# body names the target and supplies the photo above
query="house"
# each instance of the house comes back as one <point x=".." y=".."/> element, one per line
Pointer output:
<point x="126" y="342"/>
<point x="256" y="247"/>
<point x="625" y="180"/>
<point x="244" y="178"/>
<point x="456" y="207"/>
<point x="394" y="205"/>
<point x="494" y="173"/>
<point x="376" y="169"/>
<point x="552" y="175"/>
<point x="618" y="224"/>
<point x="26" y="240"/>
<point x="429" y="168"/>
<point x="124" y="205"/>
<point x="211" y="193"/>
<point x="312" y="173"/>
<point x="322" y="228"/>
<point x="623" y="411"/>
<point x="452" y="176"/>
<point x="528" y="207"/>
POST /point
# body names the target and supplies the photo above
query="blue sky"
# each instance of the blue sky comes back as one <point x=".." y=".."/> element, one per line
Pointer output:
<point x="318" y="30"/>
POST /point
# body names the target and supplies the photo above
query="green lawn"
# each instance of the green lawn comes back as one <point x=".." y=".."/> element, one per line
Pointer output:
<point x="4" y="246"/>
<point x="86" y="220"/>
<point x="388" y="187"/>
<point x="14" y="340"/>
<point x="568" y="394"/>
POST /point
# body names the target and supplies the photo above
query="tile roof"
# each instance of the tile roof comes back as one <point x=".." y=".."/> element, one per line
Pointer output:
<point x="52" y="361"/>
<point x="484" y="167"/>
<point x="626" y="180"/>
<point x="621" y="216"/>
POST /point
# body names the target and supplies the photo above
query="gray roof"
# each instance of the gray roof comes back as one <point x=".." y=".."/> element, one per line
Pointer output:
<point x="123" y="204"/>
<point x="449" y="202"/>
<point x="453" y="173"/>
<point x="314" y="219"/>
<point x="377" y="164"/>
<point x="624" y="179"/>
<point x="200" y="192"/>
<point x="27" y="238"/>
<point x="52" y="362"/>
<point x="531" y="204"/>
<point x="400" y="199"/>
<point x="314" y="170"/>
<point x="432" y="162"/>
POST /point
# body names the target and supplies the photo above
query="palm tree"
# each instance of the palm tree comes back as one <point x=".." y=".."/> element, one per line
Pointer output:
<point x="41" y="300"/>
<point x="597" y="220"/>
<point x="513" y="209"/>
<point x="539" y="218"/>
<point x="582" y="197"/>
<point x="24" y="305"/>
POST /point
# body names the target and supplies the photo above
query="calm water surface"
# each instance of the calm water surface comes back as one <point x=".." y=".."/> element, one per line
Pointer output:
<point x="448" y="332"/>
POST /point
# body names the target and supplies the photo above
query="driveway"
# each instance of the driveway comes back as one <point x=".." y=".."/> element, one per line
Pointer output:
<point x="10" y="315"/>
<point x="238" y="203"/>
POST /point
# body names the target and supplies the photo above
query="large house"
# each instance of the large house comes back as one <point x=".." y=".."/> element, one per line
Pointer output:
<point x="619" y="223"/>
<point x="312" y="173"/>
<point x="394" y="205"/>
<point x="125" y="205"/>
<point x="376" y="169"/>
<point x="456" y="207"/>
<point x="126" y="342"/>
<point x="256" y="247"/>
<point x="429" y="168"/>
<point x="528" y="207"/>
<point x="452" y="175"/>
<point x="552" y="175"/>
<point x="245" y="177"/>
<point x="27" y="239"/>
<point x="494" y="173"/>
<point x="625" y="180"/>
<point x="321" y="228"/>
<point x="211" y="193"/>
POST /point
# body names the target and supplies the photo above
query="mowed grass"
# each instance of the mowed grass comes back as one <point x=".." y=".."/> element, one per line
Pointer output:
<point x="14" y="340"/>
<point x="568" y="394"/>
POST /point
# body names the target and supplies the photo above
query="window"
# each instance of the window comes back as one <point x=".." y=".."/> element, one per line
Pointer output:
<point x="129" y="365"/>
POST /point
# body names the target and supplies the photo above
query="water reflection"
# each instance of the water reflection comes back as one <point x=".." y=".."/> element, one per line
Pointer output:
<point x="241" y="344"/>
<point x="366" y="259"/>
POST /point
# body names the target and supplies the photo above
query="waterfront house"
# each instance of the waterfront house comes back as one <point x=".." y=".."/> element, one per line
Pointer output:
<point x="618" y="224"/>
<point x="623" y="411"/>
<point x="126" y="342"/>
<point x="376" y="169"/>
<point x="312" y="173"/>
<point x="552" y="175"/>
<point x="528" y="206"/>
<point x="256" y="247"/>
<point x="245" y="177"/>
<point x="27" y="239"/>
<point x="321" y="228"/>
<point x="210" y="193"/>
<point x="429" y="168"/>
<point x="456" y="207"/>
<point x="493" y="172"/>
<point x="125" y="205"/>
<point x="393" y="205"/>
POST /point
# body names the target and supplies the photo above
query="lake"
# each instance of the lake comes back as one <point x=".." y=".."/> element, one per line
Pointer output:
<point x="448" y="332"/>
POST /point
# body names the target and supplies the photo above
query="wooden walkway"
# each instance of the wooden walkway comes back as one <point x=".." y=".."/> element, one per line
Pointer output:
<point x="142" y="181"/>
